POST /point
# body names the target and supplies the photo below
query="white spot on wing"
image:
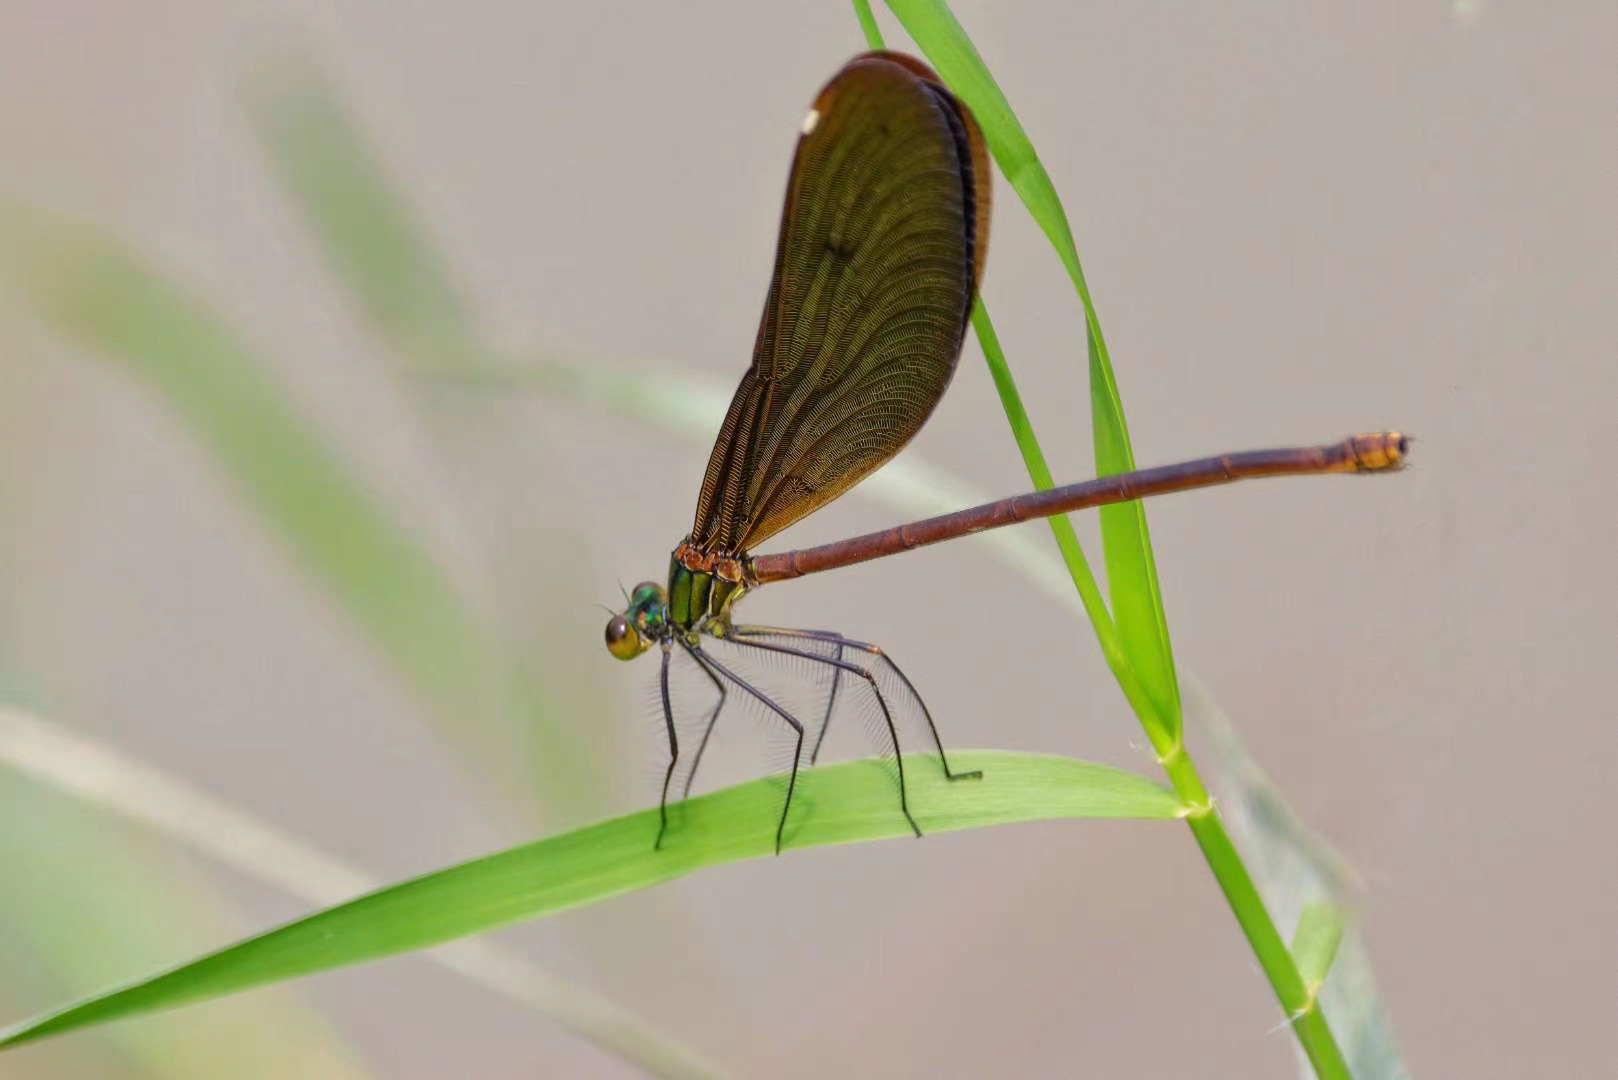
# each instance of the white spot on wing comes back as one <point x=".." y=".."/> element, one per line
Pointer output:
<point x="811" y="120"/>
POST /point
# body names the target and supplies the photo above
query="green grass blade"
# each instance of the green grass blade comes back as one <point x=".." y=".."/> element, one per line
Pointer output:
<point x="1295" y="868"/>
<point x="868" y="26"/>
<point x="402" y="284"/>
<point x="100" y="775"/>
<point x="1067" y="540"/>
<point x="381" y="253"/>
<point x="1314" y="944"/>
<point x="1137" y="605"/>
<point x="385" y="259"/>
<point x="1359" y="1016"/>
<point x="1113" y="645"/>
<point x="87" y="285"/>
<point x="84" y="898"/>
<point x="835" y="804"/>
<point x="135" y="912"/>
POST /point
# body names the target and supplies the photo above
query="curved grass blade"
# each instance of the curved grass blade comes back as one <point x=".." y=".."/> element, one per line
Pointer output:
<point x="63" y="937"/>
<point x="403" y="286"/>
<point x="100" y="775"/>
<point x="384" y="258"/>
<point x="87" y="285"/>
<point x="841" y="804"/>
<point x="1119" y="661"/>
<point x="1137" y="605"/>
<point x="1295" y="869"/>
<point x="1140" y="641"/>
<point x="379" y="250"/>
<point x="1067" y="539"/>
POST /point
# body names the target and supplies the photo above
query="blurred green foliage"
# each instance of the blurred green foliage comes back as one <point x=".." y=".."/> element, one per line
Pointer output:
<point x="506" y="711"/>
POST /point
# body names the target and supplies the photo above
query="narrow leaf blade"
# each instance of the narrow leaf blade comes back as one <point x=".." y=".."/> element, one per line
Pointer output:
<point x="87" y="285"/>
<point x="1295" y="868"/>
<point x="373" y="241"/>
<point x="1314" y="944"/>
<point x="1137" y="605"/>
<point x="67" y="937"/>
<point x="385" y="260"/>
<point x="834" y="804"/>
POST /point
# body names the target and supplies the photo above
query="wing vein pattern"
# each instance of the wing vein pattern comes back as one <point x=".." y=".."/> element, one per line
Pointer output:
<point x="881" y="250"/>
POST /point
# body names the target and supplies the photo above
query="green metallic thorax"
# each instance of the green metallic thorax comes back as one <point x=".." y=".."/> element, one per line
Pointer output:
<point x="696" y="595"/>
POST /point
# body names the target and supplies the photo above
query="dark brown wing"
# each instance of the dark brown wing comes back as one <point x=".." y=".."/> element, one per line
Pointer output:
<point x="882" y="243"/>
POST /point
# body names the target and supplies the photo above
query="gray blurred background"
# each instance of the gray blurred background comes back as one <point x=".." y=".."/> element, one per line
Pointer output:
<point x="1297" y="221"/>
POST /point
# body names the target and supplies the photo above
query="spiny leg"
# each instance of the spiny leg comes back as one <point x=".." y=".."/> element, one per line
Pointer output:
<point x="831" y="696"/>
<point x="707" y="730"/>
<point x="831" y="703"/>
<point x="744" y="636"/>
<point x="831" y="637"/>
<point x="674" y="750"/>
<point x="705" y="660"/>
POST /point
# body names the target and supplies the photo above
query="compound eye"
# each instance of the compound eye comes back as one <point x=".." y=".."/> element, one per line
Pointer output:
<point x="622" y="639"/>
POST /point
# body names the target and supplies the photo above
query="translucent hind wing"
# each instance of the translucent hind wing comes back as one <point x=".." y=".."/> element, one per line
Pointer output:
<point x="881" y="248"/>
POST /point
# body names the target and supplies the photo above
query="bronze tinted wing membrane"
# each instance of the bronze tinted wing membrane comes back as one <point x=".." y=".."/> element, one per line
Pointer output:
<point x="881" y="247"/>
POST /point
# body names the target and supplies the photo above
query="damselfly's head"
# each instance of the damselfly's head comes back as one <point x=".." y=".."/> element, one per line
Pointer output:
<point x="642" y="624"/>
